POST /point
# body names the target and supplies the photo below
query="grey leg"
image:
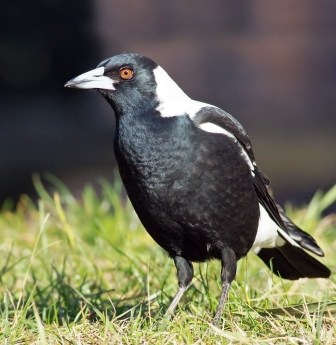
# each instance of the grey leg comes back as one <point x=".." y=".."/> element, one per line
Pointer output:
<point x="229" y="267"/>
<point x="185" y="273"/>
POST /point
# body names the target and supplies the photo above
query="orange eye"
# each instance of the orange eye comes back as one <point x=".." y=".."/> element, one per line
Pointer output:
<point x="126" y="73"/>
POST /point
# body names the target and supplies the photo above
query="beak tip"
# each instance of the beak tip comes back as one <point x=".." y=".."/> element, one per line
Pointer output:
<point x="68" y="84"/>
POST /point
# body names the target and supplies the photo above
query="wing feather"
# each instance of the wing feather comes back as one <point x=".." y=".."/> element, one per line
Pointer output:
<point x="222" y="119"/>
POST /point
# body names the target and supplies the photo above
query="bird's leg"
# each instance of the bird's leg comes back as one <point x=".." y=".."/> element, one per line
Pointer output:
<point x="229" y="266"/>
<point x="185" y="273"/>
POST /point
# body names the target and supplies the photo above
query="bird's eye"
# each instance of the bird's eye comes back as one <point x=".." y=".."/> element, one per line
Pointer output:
<point x="126" y="73"/>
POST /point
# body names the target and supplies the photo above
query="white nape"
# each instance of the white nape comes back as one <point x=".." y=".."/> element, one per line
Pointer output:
<point x="172" y="100"/>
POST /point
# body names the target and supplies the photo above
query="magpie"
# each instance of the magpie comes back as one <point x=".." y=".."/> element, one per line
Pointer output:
<point x="189" y="170"/>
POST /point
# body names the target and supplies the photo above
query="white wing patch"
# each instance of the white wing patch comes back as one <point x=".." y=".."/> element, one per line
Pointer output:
<point x="268" y="234"/>
<point x="212" y="128"/>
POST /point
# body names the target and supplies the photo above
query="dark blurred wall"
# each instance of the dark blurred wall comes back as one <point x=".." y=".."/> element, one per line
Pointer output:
<point x="44" y="127"/>
<point x="271" y="64"/>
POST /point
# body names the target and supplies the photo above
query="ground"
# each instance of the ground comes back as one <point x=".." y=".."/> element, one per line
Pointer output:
<point x="86" y="272"/>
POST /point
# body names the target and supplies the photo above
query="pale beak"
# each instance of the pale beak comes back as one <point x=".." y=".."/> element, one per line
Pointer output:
<point x="94" y="79"/>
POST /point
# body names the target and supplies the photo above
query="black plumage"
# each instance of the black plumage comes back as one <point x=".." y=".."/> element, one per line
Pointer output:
<point x="170" y="188"/>
<point x="301" y="237"/>
<point x="190" y="173"/>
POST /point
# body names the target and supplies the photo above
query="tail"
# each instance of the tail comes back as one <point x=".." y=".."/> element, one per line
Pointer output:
<point x="300" y="236"/>
<point x="291" y="262"/>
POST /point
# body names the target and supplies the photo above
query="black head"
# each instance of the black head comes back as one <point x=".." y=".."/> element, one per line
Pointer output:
<point x="127" y="82"/>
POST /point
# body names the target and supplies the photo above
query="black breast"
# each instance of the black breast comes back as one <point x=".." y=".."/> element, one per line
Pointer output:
<point x="191" y="189"/>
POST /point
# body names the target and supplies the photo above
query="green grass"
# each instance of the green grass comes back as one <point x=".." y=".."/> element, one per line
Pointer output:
<point x="86" y="272"/>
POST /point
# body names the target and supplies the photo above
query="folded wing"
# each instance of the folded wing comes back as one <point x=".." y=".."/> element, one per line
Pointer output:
<point x="287" y="259"/>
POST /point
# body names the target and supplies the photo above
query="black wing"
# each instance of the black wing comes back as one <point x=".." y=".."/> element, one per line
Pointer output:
<point x="222" y="119"/>
<point x="289" y="261"/>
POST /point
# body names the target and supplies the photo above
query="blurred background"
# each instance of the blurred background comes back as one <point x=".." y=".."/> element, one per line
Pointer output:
<point x="271" y="64"/>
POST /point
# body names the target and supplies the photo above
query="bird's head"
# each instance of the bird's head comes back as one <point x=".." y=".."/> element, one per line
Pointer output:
<point x="126" y="81"/>
<point x="131" y="83"/>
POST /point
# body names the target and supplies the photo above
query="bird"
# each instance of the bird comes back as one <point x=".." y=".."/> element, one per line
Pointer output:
<point x="189" y="170"/>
